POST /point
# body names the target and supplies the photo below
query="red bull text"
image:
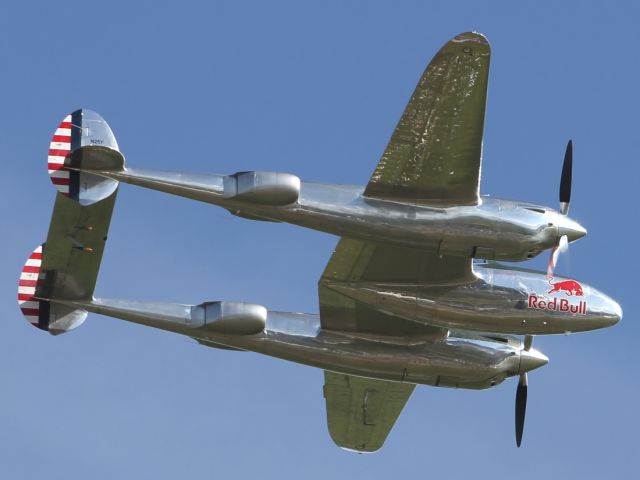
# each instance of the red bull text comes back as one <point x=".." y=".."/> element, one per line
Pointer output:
<point x="570" y="288"/>
<point x="538" y="302"/>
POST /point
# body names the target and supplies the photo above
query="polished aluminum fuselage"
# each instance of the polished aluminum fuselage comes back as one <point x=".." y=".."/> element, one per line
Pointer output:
<point x="455" y="359"/>
<point x="501" y="299"/>
<point x="469" y="347"/>
<point x="494" y="229"/>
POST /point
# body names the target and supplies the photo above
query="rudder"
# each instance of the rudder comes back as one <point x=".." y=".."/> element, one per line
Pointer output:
<point x="82" y="128"/>
<point x="51" y="317"/>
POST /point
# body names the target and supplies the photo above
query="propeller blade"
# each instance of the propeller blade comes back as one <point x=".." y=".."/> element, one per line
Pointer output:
<point x="553" y="259"/>
<point x="562" y="246"/>
<point x="521" y="407"/>
<point x="565" y="179"/>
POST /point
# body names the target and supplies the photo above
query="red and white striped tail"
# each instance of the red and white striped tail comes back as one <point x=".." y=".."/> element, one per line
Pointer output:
<point x="59" y="148"/>
<point x="44" y="314"/>
<point x="27" y="287"/>
<point x="82" y="128"/>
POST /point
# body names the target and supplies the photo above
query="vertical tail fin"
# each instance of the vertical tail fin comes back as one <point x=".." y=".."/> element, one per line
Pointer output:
<point x="43" y="314"/>
<point x="79" y="129"/>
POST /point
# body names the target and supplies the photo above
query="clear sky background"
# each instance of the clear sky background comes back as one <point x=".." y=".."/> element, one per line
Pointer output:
<point x="313" y="89"/>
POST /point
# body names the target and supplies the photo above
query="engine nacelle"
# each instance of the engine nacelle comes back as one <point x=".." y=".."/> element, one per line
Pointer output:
<point x="267" y="188"/>
<point x="233" y="318"/>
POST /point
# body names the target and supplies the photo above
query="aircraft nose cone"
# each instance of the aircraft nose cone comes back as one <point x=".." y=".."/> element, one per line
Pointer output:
<point x="615" y="315"/>
<point x="608" y="314"/>
<point x="532" y="359"/>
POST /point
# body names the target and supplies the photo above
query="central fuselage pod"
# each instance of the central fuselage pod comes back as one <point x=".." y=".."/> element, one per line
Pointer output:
<point x="501" y="299"/>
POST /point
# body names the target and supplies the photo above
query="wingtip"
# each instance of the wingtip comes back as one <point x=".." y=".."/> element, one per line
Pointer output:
<point x="470" y="43"/>
<point x="472" y="36"/>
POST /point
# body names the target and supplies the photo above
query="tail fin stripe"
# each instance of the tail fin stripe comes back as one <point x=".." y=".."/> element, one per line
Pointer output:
<point x="30" y="311"/>
<point x="30" y="304"/>
<point x="30" y="308"/>
<point x="31" y="269"/>
<point x="61" y="182"/>
<point x="59" y="152"/>
<point x="59" y="148"/>
<point x="60" y="176"/>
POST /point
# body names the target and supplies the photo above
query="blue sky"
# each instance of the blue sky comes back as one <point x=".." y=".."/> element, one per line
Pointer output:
<point x="314" y="89"/>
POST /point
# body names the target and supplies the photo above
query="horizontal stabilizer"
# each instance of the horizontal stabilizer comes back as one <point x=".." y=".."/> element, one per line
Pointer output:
<point x="94" y="158"/>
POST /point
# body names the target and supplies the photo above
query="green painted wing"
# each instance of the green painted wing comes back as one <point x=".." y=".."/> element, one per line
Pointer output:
<point x="357" y="261"/>
<point x="360" y="411"/>
<point x="434" y="153"/>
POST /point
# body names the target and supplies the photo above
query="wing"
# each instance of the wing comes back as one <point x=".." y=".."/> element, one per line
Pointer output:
<point x="360" y="411"/>
<point x="357" y="261"/>
<point x="434" y="153"/>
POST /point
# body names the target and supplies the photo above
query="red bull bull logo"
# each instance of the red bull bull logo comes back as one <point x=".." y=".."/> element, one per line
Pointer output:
<point x="570" y="288"/>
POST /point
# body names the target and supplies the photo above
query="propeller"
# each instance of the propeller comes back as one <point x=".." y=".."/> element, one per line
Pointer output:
<point x="565" y="199"/>
<point x="563" y="245"/>
<point x="521" y="396"/>
<point x="521" y="407"/>
<point x="565" y="179"/>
